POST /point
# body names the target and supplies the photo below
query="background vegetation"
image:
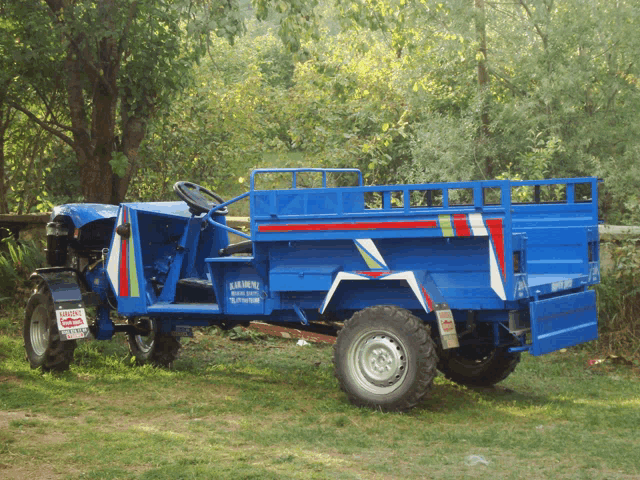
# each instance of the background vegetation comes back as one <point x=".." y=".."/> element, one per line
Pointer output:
<point x="409" y="91"/>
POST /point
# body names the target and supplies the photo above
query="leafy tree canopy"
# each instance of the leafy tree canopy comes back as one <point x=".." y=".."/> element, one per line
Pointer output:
<point x="417" y="91"/>
<point x="93" y="73"/>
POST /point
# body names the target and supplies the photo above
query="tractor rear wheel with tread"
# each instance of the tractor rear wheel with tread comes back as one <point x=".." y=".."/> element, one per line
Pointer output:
<point x="157" y="349"/>
<point x="477" y="366"/>
<point x="41" y="337"/>
<point x="384" y="358"/>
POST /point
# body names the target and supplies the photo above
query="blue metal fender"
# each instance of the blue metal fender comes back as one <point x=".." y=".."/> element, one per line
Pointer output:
<point x="69" y="289"/>
<point x="63" y="284"/>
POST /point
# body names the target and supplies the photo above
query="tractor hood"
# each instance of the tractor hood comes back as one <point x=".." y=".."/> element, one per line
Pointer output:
<point x="83" y="213"/>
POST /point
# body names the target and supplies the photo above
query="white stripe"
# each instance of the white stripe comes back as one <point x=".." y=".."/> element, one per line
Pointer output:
<point x="494" y="271"/>
<point x="114" y="257"/>
<point x="479" y="230"/>
<point x="370" y="247"/>
<point x="341" y="276"/>
<point x="408" y="276"/>
<point x="477" y="225"/>
<point x="413" y="283"/>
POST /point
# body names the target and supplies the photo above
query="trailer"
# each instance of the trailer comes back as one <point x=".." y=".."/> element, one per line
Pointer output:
<point x="459" y="277"/>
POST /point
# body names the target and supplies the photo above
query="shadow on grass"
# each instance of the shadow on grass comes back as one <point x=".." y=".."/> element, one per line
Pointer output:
<point x="280" y="377"/>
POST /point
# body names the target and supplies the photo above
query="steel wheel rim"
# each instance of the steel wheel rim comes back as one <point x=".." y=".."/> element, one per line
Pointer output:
<point x="39" y="330"/>
<point x="145" y="343"/>
<point x="378" y="362"/>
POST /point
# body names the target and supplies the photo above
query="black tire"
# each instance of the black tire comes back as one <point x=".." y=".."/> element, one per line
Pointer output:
<point x="477" y="366"/>
<point x="157" y="349"/>
<point x="41" y="338"/>
<point x="384" y="358"/>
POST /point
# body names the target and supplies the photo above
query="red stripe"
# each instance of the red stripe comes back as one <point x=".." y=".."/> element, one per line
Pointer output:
<point x="124" y="281"/>
<point x="497" y="235"/>
<point x="461" y="223"/>
<point x="374" y="274"/>
<point x="314" y="227"/>
<point x="427" y="298"/>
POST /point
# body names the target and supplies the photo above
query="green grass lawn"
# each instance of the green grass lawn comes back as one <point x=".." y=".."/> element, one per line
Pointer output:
<point x="270" y="409"/>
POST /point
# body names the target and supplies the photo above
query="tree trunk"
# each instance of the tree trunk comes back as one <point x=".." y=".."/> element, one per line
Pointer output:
<point x="98" y="179"/>
<point x="93" y="147"/>
<point x="4" y="206"/>
<point x="5" y="120"/>
<point x="483" y="79"/>
<point x="134" y="129"/>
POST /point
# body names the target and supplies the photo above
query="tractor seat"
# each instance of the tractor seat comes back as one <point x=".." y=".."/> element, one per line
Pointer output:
<point x="246" y="247"/>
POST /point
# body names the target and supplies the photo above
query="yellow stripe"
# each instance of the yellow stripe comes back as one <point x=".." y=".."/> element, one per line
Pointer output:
<point x="371" y="262"/>
<point x="445" y="225"/>
<point x="134" y="290"/>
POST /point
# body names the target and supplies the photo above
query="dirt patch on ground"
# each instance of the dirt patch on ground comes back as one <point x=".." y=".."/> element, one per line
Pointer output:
<point x="37" y="472"/>
<point x="7" y="417"/>
<point x="11" y="379"/>
<point x="282" y="332"/>
<point x="14" y="465"/>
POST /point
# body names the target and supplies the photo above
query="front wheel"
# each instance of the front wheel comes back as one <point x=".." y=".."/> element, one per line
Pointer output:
<point x="41" y="337"/>
<point x="157" y="349"/>
<point x="384" y="358"/>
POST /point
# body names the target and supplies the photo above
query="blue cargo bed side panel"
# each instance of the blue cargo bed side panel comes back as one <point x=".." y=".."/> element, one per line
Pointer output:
<point x="563" y="321"/>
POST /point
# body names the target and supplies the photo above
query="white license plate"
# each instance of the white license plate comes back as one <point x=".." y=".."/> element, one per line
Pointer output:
<point x="72" y="323"/>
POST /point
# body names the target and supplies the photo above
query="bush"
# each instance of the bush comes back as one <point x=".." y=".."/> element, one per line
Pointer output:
<point x="17" y="261"/>
<point x="619" y="301"/>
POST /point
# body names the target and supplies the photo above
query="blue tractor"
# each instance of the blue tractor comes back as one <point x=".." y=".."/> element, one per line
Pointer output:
<point x="458" y="277"/>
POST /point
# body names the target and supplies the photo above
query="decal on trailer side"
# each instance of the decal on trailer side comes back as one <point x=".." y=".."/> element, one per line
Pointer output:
<point x="244" y="292"/>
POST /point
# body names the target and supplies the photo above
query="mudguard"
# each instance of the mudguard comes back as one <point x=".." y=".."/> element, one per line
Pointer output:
<point x="66" y="287"/>
<point x="64" y="283"/>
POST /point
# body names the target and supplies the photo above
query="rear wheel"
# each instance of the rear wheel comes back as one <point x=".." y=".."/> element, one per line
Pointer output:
<point x="478" y="366"/>
<point x="41" y="337"/>
<point x="157" y="349"/>
<point x="385" y="358"/>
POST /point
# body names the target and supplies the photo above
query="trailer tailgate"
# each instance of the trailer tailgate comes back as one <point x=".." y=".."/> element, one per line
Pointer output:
<point x="563" y="321"/>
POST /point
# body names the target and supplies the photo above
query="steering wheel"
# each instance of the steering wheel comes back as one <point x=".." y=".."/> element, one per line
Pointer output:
<point x="199" y="199"/>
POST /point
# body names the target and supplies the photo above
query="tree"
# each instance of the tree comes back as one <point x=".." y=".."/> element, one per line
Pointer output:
<point x="116" y="62"/>
<point x="6" y="116"/>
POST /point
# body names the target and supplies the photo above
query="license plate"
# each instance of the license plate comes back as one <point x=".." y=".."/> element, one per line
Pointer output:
<point x="72" y="323"/>
<point x="447" y="327"/>
<point x="182" y="331"/>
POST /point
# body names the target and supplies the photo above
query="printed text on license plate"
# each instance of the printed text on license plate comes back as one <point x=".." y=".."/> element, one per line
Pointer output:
<point x="71" y="318"/>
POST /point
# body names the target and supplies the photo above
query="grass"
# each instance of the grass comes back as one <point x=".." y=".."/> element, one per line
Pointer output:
<point x="268" y="409"/>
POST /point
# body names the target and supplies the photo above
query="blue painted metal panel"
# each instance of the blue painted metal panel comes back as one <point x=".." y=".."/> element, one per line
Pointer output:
<point x="244" y="292"/>
<point x="302" y="278"/>
<point x="563" y="321"/>
<point x="83" y="213"/>
<point x="187" y="244"/>
<point x="125" y="266"/>
<point x="170" y="209"/>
